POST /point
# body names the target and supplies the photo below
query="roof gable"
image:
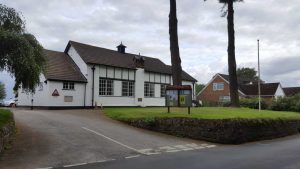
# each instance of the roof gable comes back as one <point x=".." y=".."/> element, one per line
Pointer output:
<point x="60" y="66"/>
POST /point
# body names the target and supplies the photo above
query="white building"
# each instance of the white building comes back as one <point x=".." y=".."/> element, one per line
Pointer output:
<point x="85" y="76"/>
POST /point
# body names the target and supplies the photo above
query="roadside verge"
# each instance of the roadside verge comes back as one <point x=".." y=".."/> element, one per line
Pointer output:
<point x="7" y="129"/>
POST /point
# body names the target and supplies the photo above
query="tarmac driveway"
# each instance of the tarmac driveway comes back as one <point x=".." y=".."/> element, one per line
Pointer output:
<point x="64" y="138"/>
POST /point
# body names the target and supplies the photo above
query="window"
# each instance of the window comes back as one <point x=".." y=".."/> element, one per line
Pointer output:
<point x="163" y="90"/>
<point x="68" y="86"/>
<point x="218" y="86"/>
<point x="149" y="90"/>
<point x="224" y="99"/>
<point x="127" y="88"/>
<point x="106" y="87"/>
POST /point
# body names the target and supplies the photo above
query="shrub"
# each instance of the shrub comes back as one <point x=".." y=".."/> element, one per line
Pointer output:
<point x="287" y="103"/>
<point x="253" y="103"/>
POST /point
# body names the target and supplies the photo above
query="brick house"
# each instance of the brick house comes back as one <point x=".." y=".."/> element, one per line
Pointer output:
<point x="217" y="90"/>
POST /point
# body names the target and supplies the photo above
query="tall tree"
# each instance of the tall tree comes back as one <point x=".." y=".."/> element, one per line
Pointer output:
<point x="174" y="45"/>
<point x="247" y="73"/>
<point x="20" y="54"/>
<point x="2" y="91"/>
<point x="199" y="87"/>
<point x="234" y="96"/>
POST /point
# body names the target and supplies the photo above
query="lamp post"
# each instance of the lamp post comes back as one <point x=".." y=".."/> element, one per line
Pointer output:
<point x="259" y="92"/>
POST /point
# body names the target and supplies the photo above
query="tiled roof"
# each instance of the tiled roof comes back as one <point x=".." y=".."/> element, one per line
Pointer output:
<point x="290" y="91"/>
<point x="267" y="89"/>
<point x="96" y="55"/>
<point x="61" y="67"/>
<point x="252" y="89"/>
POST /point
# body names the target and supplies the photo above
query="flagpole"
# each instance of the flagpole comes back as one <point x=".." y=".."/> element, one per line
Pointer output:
<point x="259" y="92"/>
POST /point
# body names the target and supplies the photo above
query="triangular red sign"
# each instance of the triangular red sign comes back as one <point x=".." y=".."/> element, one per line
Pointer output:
<point x="55" y="93"/>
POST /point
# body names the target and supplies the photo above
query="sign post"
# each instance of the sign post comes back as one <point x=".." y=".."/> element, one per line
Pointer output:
<point x="179" y="96"/>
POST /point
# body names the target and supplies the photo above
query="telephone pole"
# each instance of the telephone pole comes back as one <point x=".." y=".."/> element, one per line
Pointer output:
<point x="259" y="92"/>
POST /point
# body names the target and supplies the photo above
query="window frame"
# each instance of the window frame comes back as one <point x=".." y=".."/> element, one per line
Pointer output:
<point x="218" y="86"/>
<point x="128" y="88"/>
<point x="68" y="86"/>
<point x="106" y="87"/>
<point x="163" y="90"/>
<point x="149" y="89"/>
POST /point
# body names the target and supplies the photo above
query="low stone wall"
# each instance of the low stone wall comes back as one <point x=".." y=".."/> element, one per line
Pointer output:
<point x="229" y="131"/>
<point x="6" y="135"/>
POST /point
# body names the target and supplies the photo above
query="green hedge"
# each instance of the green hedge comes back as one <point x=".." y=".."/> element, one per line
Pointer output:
<point x="287" y="104"/>
<point x="5" y="117"/>
<point x="253" y="103"/>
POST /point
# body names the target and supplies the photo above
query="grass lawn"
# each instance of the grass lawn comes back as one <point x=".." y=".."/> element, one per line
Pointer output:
<point x="5" y="117"/>
<point x="124" y="114"/>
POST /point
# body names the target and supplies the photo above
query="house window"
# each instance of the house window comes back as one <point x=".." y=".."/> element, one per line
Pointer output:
<point x="68" y="86"/>
<point x="127" y="88"/>
<point x="149" y="90"/>
<point x="224" y="99"/>
<point x="163" y="90"/>
<point x="106" y="87"/>
<point x="218" y="86"/>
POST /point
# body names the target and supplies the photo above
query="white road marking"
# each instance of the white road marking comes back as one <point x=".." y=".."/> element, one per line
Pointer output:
<point x="132" y="156"/>
<point x="210" y="146"/>
<point x="115" y="141"/>
<point x="102" y="161"/>
<point x="73" y="165"/>
<point x="45" y="168"/>
<point x="184" y="148"/>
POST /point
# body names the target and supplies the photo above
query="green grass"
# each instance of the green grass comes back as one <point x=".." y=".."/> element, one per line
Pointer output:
<point x="124" y="114"/>
<point x="5" y="117"/>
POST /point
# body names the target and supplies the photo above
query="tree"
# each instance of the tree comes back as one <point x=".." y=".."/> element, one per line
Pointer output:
<point x="174" y="46"/>
<point x="20" y="54"/>
<point x="199" y="87"/>
<point x="247" y="73"/>
<point x="233" y="83"/>
<point x="2" y="91"/>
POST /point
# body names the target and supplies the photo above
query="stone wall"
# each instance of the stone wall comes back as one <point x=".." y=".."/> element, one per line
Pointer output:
<point x="230" y="131"/>
<point x="6" y="135"/>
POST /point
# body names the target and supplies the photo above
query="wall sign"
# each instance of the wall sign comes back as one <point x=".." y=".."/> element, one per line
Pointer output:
<point x="55" y="93"/>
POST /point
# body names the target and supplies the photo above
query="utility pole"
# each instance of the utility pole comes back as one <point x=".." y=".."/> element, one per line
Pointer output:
<point x="259" y="92"/>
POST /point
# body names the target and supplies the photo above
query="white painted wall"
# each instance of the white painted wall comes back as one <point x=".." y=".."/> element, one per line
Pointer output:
<point x="44" y="98"/>
<point x="279" y="92"/>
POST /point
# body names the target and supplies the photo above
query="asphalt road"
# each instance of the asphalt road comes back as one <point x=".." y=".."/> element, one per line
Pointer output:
<point x="65" y="138"/>
<point x="277" y="154"/>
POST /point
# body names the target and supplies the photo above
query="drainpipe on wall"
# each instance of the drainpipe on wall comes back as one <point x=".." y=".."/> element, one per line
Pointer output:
<point x="93" y="85"/>
<point x="84" y="96"/>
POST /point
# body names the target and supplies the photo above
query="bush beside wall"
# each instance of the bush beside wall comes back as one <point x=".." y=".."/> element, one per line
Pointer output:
<point x="287" y="104"/>
<point x="229" y="131"/>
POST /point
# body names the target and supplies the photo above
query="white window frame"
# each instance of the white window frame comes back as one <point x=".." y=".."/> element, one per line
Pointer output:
<point x="106" y="87"/>
<point x="224" y="99"/>
<point x="68" y="86"/>
<point x="128" y="88"/>
<point x="163" y="90"/>
<point x="218" y="86"/>
<point x="149" y="89"/>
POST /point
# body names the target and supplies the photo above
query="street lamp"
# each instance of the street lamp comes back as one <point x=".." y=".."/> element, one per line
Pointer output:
<point x="259" y="92"/>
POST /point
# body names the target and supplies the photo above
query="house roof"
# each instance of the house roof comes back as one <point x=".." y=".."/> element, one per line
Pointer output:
<point x="96" y="55"/>
<point x="240" y="80"/>
<point x="61" y="67"/>
<point x="267" y="89"/>
<point x="290" y="91"/>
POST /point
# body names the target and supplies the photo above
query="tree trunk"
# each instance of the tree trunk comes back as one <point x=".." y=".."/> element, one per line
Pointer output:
<point x="174" y="46"/>
<point x="234" y="96"/>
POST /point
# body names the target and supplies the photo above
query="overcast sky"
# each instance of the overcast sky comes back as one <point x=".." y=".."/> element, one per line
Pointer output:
<point x="143" y="28"/>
